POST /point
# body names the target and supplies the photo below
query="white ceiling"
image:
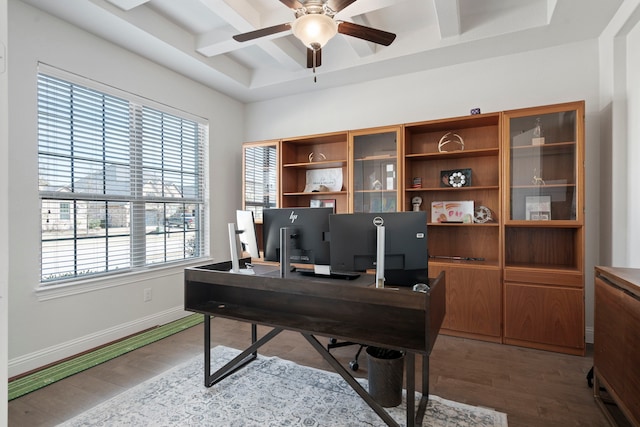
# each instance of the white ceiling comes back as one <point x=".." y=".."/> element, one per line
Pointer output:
<point x="194" y="37"/>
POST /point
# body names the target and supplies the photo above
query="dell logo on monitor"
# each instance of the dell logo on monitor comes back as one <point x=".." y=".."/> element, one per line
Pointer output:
<point x="293" y="216"/>
<point x="378" y="221"/>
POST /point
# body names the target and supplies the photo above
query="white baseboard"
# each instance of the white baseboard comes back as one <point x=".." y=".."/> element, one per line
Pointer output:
<point x="588" y="334"/>
<point x="47" y="356"/>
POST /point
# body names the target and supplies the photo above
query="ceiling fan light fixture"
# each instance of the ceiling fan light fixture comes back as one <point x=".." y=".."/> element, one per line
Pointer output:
<point x="314" y="30"/>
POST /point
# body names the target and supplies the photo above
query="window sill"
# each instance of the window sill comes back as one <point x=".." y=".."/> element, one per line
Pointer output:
<point x="62" y="290"/>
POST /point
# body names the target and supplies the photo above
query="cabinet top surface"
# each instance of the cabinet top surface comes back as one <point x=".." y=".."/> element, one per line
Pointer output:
<point x="628" y="278"/>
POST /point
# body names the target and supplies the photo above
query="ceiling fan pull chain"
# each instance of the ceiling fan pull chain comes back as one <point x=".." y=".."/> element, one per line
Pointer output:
<point x="315" y="57"/>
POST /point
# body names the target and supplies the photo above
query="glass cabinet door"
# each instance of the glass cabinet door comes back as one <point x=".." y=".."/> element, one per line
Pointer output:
<point x="544" y="165"/>
<point x="260" y="177"/>
<point x="543" y="278"/>
<point x="375" y="170"/>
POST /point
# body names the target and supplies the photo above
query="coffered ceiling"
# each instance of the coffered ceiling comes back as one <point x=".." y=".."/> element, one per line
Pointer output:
<point x="194" y="37"/>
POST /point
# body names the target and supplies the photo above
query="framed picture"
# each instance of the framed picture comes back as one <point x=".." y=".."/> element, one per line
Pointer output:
<point x="323" y="203"/>
<point x="540" y="216"/>
<point x="323" y="180"/>
<point x="538" y="208"/>
<point x="452" y="211"/>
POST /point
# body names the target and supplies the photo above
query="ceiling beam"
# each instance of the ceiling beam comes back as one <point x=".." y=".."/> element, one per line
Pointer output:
<point x="150" y="33"/>
<point x="448" y="17"/>
<point x="240" y="15"/>
<point x="361" y="7"/>
<point x="355" y="13"/>
<point x="127" y="4"/>
<point x="243" y="17"/>
<point x="551" y="8"/>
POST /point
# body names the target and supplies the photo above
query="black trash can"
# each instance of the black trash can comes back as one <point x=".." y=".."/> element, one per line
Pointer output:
<point x="385" y="370"/>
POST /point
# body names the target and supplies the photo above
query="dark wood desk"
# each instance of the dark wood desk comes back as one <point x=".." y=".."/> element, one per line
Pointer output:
<point x="616" y="345"/>
<point x="352" y="310"/>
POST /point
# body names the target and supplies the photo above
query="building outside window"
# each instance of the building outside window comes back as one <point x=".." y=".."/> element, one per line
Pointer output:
<point x="65" y="213"/>
<point x="122" y="180"/>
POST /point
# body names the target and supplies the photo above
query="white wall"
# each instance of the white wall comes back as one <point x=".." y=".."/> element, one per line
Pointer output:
<point x="4" y="217"/>
<point x="633" y="144"/>
<point x="522" y="80"/>
<point x="620" y="138"/>
<point x="559" y="74"/>
<point x="45" y="327"/>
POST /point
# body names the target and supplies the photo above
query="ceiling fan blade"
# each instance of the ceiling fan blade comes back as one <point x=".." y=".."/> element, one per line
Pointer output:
<point x="338" y="5"/>
<point x="261" y="32"/>
<point x="293" y="4"/>
<point x="310" y="56"/>
<point x="366" y="33"/>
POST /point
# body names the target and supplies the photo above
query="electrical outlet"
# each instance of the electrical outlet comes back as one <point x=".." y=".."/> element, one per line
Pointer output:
<point x="147" y="295"/>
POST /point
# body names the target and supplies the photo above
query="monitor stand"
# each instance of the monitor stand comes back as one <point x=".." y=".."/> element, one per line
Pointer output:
<point x="380" y="233"/>
<point x="234" y="246"/>
<point x="285" y="251"/>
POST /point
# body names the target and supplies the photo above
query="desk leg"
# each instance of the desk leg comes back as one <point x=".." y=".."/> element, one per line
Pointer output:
<point x="422" y="405"/>
<point x="254" y="336"/>
<point x="239" y="361"/>
<point x="425" y="375"/>
<point x="410" y="369"/>
<point x="207" y="349"/>
<point x="355" y="385"/>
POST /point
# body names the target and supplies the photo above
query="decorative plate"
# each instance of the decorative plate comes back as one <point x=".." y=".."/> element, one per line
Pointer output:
<point x="455" y="178"/>
<point x="482" y="214"/>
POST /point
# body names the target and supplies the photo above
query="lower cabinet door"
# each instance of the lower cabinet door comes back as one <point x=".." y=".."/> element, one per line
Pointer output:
<point x="474" y="300"/>
<point x="543" y="316"/>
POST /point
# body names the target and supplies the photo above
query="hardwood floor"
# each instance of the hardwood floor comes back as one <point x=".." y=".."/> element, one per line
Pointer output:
<point x="534" y="388"/>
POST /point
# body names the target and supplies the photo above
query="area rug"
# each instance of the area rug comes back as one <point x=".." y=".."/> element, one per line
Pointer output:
<point x="268" y="392"/>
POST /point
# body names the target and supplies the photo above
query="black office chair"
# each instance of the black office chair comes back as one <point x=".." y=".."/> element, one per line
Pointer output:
<point x="333" y="343"/>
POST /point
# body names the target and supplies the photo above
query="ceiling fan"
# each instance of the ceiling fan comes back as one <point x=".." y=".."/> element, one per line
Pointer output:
<point x="315" y="26"/>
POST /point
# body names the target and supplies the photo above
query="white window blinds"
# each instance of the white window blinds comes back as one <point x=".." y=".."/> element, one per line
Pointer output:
<point x="260" y="177"/>
<point x="122" y="184"/>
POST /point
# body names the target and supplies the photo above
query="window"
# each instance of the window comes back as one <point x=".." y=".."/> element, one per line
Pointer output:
<point x="122" y="183"/>
<point x="260" y="175"/>
<point x="64" y="211"/>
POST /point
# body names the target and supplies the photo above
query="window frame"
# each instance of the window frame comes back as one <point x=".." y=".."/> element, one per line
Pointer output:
<point x="136" y="232"/>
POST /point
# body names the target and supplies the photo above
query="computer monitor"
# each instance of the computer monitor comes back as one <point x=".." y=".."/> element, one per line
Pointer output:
<point x="354" y="245"/>
<point x="309" y="234"/>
